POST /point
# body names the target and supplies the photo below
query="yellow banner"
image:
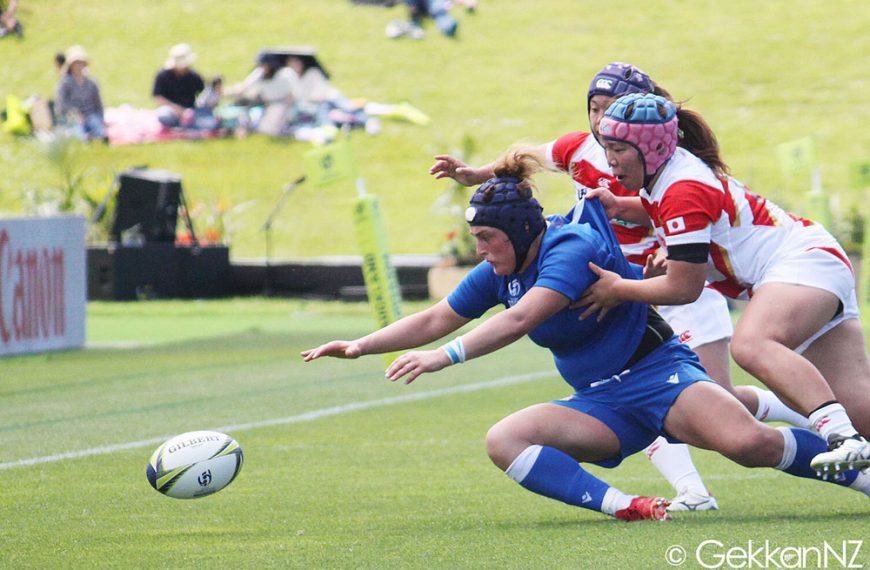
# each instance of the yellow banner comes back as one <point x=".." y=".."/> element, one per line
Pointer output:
<point x="797" y="157"/>
<point x="329" y="163"/>
<point x="382" y="285"/>
<point x="16" y="122"/>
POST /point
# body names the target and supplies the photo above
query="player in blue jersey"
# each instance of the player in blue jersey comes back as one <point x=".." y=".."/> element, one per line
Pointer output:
<point x="705" y="325"/>
<point x="632" y="379"/>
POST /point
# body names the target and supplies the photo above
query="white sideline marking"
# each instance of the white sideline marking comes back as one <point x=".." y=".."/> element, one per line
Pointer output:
<point x="304" y="417"/>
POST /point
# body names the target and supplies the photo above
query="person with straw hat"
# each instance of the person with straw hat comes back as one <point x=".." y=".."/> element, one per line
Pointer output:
<point x="79" y="103"/>
<point x="176" y="87"/>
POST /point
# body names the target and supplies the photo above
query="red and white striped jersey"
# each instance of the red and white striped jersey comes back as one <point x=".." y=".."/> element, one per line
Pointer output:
<point x="581" y="155"/>
<point x="689" y="204"/>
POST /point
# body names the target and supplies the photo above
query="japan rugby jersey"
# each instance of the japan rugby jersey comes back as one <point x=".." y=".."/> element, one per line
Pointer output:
<point x="581" y="155"/>
<point x="689" y="204"/>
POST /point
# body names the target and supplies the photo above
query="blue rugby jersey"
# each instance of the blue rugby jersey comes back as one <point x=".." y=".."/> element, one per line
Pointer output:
<point x="584" y="351"/>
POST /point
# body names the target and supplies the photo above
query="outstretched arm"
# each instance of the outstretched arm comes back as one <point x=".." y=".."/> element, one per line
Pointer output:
<point x="534" y="308"/>
<point x="447" y="166"/>
<point x="409" y="332"/>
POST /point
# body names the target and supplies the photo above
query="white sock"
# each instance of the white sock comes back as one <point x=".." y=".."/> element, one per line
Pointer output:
<point x="772" y="409"/>
<point x="862" y="482"/>
<point x="832" y="420"/>
<point x="675" y="463"/>
<point x="615" y="500"/>
<point x="789" y="449"/>
<point x="523" y="463"/>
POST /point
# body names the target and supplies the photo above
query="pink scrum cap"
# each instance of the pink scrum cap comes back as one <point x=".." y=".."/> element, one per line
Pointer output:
<point x="647" y="122"/>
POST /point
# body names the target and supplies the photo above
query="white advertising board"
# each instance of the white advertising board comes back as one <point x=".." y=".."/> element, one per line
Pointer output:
<point x="43" y="287"/>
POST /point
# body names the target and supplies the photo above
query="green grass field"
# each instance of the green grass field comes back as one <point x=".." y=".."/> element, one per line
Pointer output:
<point x="343" y="469"/>
<point x="761" y="72"/>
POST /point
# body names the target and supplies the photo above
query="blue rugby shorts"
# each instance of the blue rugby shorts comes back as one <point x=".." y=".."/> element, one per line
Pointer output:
<point x="635" y="402"/>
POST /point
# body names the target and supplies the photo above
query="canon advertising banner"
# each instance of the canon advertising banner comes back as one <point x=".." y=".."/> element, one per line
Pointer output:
<point x="42" y="284"/>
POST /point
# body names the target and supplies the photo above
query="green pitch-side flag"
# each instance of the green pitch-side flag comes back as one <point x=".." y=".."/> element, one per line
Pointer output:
<point x="382" y="284"/>
<point x="859" y="176"/>
<point x="798" y="156"/>
<point x="817" y="207"/>
<point x="330" y="163"/>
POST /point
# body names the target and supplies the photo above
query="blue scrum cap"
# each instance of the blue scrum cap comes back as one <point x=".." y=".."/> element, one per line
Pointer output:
<point x="498" y="203"/>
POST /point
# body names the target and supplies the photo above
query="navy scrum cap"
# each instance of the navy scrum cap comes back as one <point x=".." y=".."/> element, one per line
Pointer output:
<point x="498" y="203"/>
<point x="616" y="79"/>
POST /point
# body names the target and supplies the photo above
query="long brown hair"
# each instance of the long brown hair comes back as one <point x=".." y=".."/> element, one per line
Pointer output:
<point x="696" y="136"/>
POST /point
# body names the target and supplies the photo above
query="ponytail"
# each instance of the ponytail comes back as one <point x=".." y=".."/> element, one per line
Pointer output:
<point x="519" y="163"/>
<point x="696" y="136"/>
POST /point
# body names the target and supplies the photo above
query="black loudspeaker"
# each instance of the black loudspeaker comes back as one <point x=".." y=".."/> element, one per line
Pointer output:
<point x="147" y="206"/>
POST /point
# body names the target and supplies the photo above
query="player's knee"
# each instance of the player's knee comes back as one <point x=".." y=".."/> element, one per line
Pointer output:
<point x="745" y="351"/>
<point x="503" y="445"/>
<point x="758" y="447"/>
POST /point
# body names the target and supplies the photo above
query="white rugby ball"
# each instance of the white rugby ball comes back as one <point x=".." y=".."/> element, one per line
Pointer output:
<point x="195" y="464"/>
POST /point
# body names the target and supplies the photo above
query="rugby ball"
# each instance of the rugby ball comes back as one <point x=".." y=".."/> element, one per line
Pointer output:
<point x="195" y="464"/>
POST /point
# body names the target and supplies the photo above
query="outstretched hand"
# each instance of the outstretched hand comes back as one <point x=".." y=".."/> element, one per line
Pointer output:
<point x="412" y="364"/>
<point x="451" y="167"/>
<point x="601" y="296"/>
<point x="336" y="349"/>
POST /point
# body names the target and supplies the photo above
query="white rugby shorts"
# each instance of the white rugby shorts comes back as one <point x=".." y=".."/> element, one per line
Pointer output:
<point x="702" y="322"/>
<point x="815" y="259"/>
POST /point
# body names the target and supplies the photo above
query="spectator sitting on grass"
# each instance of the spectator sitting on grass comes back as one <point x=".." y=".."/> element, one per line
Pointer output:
<point x="175" y="89"/>
<point x="272" y="85"/>
<point x="79" y="104"/>
<point x="314" y="85"/>
<point x="318" y="99"/>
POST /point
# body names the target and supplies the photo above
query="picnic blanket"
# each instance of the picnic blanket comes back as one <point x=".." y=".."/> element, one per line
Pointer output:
<point x="131" y="125"/>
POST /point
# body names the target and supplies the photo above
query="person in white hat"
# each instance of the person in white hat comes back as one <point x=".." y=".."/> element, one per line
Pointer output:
<point x="176" y="87"/>
<point x="79" y="103"/>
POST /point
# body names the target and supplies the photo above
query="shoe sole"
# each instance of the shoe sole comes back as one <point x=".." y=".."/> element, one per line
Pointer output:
<point x="834" y="468"/>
